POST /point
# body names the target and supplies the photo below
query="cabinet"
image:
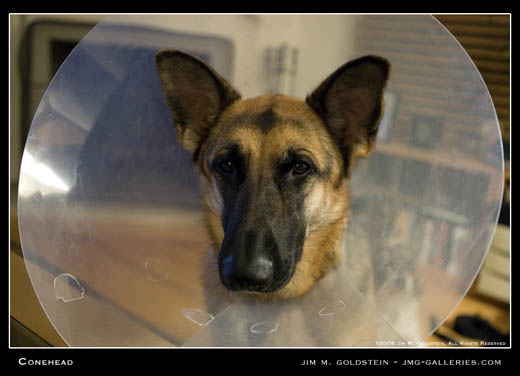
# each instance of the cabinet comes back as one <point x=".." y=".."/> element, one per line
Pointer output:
<point x="494" y="278"/>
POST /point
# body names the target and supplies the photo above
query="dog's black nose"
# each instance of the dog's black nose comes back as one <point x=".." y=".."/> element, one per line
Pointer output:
<point x="253" y="275"/>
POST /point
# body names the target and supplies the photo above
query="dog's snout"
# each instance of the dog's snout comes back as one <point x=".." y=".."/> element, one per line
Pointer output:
<point x="257" y="275"/>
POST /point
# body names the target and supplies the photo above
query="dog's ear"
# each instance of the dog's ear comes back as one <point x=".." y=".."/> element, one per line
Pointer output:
<point x="195" y="95"/>
<point x="350" y="101"/>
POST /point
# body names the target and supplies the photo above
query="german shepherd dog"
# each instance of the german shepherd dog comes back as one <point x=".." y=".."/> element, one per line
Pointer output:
<point x="275" y="169"/>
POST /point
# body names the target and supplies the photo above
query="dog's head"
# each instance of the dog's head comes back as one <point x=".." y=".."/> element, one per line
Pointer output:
<point x="275" y="168"/>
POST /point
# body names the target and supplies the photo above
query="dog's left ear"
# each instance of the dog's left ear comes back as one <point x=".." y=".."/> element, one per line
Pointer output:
<point x="350" y="101"/>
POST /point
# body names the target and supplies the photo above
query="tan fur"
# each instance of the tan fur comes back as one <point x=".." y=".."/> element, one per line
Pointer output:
<point x="326" y="205"/>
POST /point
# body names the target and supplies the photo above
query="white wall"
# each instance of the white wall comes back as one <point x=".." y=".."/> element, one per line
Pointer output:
<point x="324" y="42"/>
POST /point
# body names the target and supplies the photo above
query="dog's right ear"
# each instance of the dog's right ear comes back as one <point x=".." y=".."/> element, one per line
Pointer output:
<point x="195" y="95"/>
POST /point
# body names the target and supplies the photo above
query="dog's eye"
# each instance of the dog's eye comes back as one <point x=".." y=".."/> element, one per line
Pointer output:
<point x="300" y="168"/>
<point x="226" y="167"/>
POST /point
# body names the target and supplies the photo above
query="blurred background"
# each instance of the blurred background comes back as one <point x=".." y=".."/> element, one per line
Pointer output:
<point x="40" y="43"/>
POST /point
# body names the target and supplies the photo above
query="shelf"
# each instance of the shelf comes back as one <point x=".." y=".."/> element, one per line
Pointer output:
<point x="429" y="210"/>
<point x="452" y="159"/>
